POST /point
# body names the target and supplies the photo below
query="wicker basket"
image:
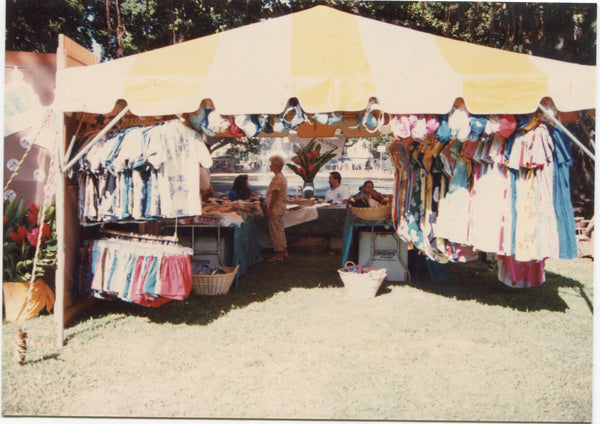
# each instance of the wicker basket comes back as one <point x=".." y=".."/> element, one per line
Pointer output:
<point x="301" y="202"/>
<point x="211" y="285"/>
<point x="373" y="214"/>
<point x="360" y="286"/>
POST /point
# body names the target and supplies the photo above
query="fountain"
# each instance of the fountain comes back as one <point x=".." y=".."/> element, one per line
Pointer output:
<point x="260" y="179"/>
<point x="271" y="147"/>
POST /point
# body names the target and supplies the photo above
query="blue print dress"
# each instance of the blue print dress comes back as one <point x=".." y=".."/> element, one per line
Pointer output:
<point x="563" y="206"/>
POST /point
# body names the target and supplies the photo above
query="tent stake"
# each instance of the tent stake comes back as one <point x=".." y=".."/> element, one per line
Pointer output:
<point x="98" y="136"/>
<point x="566" y="131"/>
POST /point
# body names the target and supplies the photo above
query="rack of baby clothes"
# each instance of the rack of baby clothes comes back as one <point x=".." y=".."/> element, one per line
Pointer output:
<point x="141" y="172"/>
<point x="496" y="184"/>
<point x="138" y="268"/>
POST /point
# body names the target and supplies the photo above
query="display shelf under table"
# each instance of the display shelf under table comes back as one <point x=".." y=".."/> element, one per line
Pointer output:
<point x="243" y="237"/>
<point x="383" y="226"/>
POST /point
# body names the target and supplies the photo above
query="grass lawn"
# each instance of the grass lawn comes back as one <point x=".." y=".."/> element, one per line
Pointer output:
<point x="289" y="343"/>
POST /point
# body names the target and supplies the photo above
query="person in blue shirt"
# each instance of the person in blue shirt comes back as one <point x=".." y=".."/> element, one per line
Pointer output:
<point x="240" y="189"/>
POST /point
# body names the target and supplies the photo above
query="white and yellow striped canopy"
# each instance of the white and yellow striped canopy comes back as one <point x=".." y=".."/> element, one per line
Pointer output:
<point x="330" y="61"/>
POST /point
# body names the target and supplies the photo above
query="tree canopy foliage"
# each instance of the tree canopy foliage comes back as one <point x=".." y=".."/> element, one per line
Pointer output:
<point x="564" y="31"/>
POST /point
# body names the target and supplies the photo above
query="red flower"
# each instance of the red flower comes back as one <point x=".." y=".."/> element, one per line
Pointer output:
<point x="5" y="219"/>
<point x="298" y="161"/>
<point x="45" y="232"/>
<point x="33" y="235"/>
<point x="31" y="218"/>
<point x="310" y="168"/>
<point x="20" y="235"/>
<point x="32" y="213"/>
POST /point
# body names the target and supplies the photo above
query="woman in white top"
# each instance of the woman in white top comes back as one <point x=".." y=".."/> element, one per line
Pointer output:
<point x="275" y="203"/>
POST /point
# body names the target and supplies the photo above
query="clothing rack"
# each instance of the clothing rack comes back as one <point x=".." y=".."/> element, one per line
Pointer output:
<point x="145" y="172"/>
<point x="149" y="237"/>
<point x="139" y="268"/>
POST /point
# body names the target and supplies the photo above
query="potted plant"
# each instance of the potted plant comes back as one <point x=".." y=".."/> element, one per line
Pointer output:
<point x="21" y="235"/>
<point x="307" y="162"/>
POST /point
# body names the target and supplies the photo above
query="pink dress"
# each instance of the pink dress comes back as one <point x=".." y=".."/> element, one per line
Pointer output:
<point x="520" y="274"/>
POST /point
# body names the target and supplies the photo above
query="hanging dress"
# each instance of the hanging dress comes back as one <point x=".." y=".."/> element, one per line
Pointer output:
<point x="563" y="206"/>
<point x="453" y="218"/>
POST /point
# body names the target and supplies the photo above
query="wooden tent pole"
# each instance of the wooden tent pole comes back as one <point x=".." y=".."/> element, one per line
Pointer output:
<point x="59" y="301"/>
<point x="566" y="131"/>
<point x="68" y="54"/>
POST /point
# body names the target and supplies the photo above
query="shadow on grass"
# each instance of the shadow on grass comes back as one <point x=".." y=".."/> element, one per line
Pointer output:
<point x="305" y="270"/>
<point x="260" y="282"/>
<point x="101" y="309"/>
<point x="55" y="355"/>
<point x="476" y="281"/>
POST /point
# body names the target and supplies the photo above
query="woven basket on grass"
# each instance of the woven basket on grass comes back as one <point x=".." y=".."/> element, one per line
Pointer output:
<point x="211" y="285"/>
<point x="360" y="286"/>
<point x="373" y="214"/>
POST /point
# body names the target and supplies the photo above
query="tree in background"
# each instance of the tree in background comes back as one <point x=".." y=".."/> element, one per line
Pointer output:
<point x="35" y="25"/>
<point x="565" y="31"/>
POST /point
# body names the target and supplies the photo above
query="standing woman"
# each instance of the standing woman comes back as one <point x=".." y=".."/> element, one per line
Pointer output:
<point x="276" y="193"/>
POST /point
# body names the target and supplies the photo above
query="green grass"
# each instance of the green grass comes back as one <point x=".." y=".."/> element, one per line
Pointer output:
<point x="289" y="343"/>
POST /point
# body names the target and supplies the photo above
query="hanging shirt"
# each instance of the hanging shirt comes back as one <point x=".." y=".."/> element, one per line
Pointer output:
<point x="180" y="172"/>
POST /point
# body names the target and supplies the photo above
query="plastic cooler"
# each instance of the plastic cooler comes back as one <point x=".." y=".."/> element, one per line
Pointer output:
<point x="383" y="250"/>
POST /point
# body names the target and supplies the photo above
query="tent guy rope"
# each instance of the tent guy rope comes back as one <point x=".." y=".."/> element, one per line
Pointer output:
<point x="47" y="118"/>
<point x="21" y="338"/>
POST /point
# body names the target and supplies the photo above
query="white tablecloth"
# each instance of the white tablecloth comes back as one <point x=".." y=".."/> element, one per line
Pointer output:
<point x="293" y="217"/>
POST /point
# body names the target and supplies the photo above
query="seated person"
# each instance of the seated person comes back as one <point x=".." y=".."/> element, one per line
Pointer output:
<point x="367" y="196"/>
<point x="206" y="186"/>
<point x="337" y="193"/>
<point x="240" y="189"/>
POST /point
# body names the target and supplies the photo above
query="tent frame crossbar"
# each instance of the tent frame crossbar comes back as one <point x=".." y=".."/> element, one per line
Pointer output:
<point x="71" y="144"/>
<point x="98" y="136"/>
<point x="566" y="131"/>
